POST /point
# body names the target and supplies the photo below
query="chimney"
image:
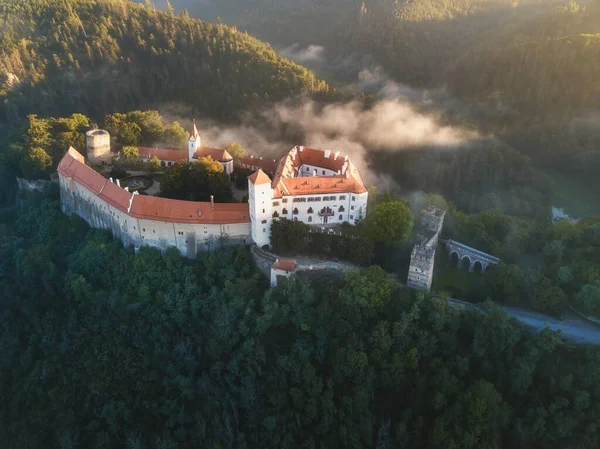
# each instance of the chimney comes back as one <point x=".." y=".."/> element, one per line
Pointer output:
<point x="301" y="148"/>
<point x="315" y="172"/>
<point x="212" y="201"/>
<point x="111" y="180"/>
<point x="336" y="155"/>
<point x="118" y="182"/>
<point x="327" y="154"/>
<point x="346" y="158"/>
<point x="347" y="174"/>
<point x="126" y="189"/>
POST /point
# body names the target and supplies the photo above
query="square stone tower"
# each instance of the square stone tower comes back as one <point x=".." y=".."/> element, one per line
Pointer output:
<point x="422" y="258"/>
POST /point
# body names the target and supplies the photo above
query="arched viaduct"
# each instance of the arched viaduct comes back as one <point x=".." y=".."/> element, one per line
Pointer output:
<point x="469" y="257"/>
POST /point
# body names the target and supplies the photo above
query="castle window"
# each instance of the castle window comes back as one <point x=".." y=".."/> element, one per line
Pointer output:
<point x="263" y="211"/>
<point x="323" y="171"/>
<point x="342" y="197"/>
<point x="264" y="230"/>
<point x="310" y="219"/>
<point x="341" y="217"/>
<point x="134" y="228"/>
<point x="351" y="217"/>
<point x="275" y="203"/>
<point x="295" y="218"/>
<point x="144" y="229"/>
<point x="154" y="231"/>
<point x="310" y="210"/>
<point x="275" y="214"/>
<point x="264" y="222"/>
<point x="351" y="207"/>
<point x="341" y="209"/>
<point x="284" y="211"/>
<point x="295" y="211"/>
<point x="284" y="200"/>
<point x="353" y="198"/>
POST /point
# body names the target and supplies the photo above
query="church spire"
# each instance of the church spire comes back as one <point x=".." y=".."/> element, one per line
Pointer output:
<point x="194" y="132"/>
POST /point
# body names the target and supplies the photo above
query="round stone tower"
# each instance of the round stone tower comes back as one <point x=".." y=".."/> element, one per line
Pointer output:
<point x="98" y="146"/>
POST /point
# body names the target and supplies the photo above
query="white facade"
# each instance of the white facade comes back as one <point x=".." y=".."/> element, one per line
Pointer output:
<point x="194" y="143"/>
<point x="320" y="209"/>
<point x="261" y="212"/>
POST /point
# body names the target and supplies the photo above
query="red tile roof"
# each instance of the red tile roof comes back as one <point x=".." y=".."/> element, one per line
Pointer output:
<point x="286" y="180"/>
<point x="163" y="154"/>
<point x="216" y="154"/>
<point x="176" y="211"/>
<point x="268" y="165"/>
<point x="285" y="265"/>
<point x="259" y="177"/>
<point x="148" y="207"/>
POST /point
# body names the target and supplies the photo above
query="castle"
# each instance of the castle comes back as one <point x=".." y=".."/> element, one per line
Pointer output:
<point x="313" y="186"/>
<point x="422" y="258"/>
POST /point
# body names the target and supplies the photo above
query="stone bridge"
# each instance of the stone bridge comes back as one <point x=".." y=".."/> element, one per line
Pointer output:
<point x="470" y="258"/>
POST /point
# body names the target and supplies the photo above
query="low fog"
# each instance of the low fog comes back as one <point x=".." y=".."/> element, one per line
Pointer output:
<point x="396" y="121"/>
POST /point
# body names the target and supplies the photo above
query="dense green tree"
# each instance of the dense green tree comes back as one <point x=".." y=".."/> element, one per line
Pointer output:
<point x="287" y="236"/>
<point x="130" y="154"/>
<point x="197" y="181"/>
<point x="236" y="150"/>
<point x="36" y="163"/>
<point x="158" y="351"/>
<point x="390" y="223"/>
<point x="503" y="282"/>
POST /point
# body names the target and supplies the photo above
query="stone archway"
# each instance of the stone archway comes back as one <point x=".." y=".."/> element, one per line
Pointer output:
<point x="477" y="267"/>
<point x="454" y="261"/>
<point x="465" y="263"/>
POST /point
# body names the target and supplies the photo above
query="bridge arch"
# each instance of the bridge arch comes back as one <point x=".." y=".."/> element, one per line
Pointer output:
<point x="470" y="258"/>
<point x="454" y="259"/>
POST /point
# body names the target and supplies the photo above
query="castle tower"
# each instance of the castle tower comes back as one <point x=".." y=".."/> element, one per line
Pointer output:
<point x="260" y="195"/>
<point x="98" y="146"/>
<point x="194" y="142"/>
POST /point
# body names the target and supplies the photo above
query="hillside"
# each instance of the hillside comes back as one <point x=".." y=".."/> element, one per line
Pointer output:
<point x="549" y="67"/>
<point x="98" y="56"/>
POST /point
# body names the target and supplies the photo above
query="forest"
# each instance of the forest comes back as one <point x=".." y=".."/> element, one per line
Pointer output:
<point x="527" y="69"/>
<point x="102" y="347"/>
<point x="101" y="56"/>
<point x="108" y="349"/>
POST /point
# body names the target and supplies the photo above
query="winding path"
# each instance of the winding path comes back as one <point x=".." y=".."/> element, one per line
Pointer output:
<point x="572" y="327"/>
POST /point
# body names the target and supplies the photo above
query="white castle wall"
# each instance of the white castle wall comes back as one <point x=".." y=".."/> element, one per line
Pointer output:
<point x="355" y="207"/>
<point x="187" y="238"/>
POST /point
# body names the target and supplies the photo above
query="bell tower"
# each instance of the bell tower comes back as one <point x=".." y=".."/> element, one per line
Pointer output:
<point x="194" y="142"/>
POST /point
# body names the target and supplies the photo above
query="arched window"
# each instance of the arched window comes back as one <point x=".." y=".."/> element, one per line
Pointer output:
<point x="162" y="164"/>
<point x="295" y="211"/>
<point x="310" y="219"/>
<point x="284" y="211"/>
<point x="341" y="217"/>
<point x="295" y="218"/>
<point x="275" y="214"/>
<point x="341" y="209"/>
<point x="310" y="210"/>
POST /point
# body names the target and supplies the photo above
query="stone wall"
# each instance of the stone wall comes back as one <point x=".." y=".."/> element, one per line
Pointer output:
<point x="187" y="238"/>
